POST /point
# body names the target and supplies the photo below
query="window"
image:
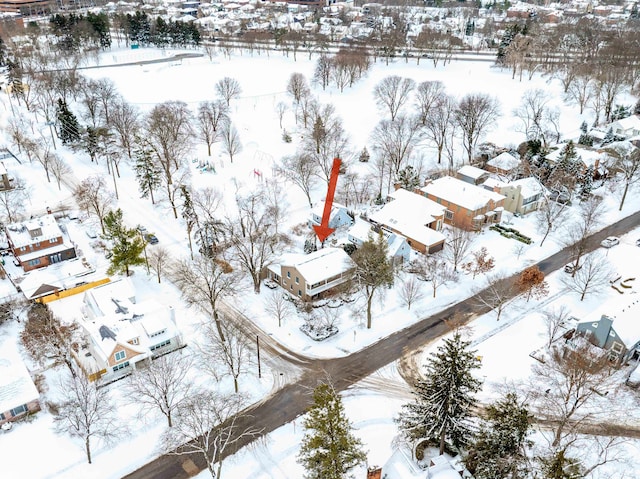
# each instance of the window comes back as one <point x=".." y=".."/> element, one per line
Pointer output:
<point x="118" y="367"/>
<point x="299" y="293"/>
<point x="288" y="274"/>
<point x="2" y="418"/>
<point x="34" y="262"/>
<point x="19" y="410"/>
<point x="448" y="214"/>
<point x="158" y="333"/>
<point x="161" y="345"/>
<point x="120" y="355"/>
<point x="52" y="241"/>
<point x="616" y="348"/>
<point x="297" y="280"/>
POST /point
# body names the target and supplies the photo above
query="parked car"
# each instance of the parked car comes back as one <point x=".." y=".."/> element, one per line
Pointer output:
<point x="609" y="242"/>
<point x="151" y="238"/>
<point x="571" y="267"/>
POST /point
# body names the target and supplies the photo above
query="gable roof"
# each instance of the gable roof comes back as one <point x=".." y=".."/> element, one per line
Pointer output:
<point x="321" y="264"/>
<point x="472" y="172"/>
<point x="461" y="193"/>
<point x="21" y="233"/>
<point x="504" y="161"/>
<point x="16" y="386"/>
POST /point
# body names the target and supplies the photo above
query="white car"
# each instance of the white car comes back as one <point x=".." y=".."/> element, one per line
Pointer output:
<point x="609" y="242"/>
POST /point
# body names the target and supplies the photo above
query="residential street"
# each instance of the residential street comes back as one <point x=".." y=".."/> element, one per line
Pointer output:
<point x="291" y="401"/>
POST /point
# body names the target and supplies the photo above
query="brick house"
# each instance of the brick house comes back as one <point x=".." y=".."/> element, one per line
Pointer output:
<point x="466" y="206"/>
<point x="414" y="217"/>
<point x="310" y="276"/>
<point x="39" y="242"/>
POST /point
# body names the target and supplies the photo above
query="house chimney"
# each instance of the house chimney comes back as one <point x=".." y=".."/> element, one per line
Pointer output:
<point x="374" y="472"/>
<point x="172" y="315"/>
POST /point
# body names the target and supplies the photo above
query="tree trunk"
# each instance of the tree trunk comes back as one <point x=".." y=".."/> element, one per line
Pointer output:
<point x="169" y="419"/>
<point x="442" y="442"/>
<point x="369" y="301"/>
<point x="624" y="195"/>
<point x="87" y="448"/>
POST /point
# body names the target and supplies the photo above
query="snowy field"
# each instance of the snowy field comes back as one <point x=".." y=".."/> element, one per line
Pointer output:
<point x="504" y="345"/>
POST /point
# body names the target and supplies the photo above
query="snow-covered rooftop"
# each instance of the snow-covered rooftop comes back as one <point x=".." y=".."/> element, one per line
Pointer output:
<point x="528" y="186"/>
<point x="322" y="264"/>
<point x="16" y="386"/>
<point x="36" y="230"/>
<point x="504" y="161"/>
<point x="472" y="172"/>
<point x="460" y="193"/>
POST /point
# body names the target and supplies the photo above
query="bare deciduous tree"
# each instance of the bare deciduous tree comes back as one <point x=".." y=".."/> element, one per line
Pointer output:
<point x="212" y="116"/>
<point x="59" y="169"/>
<point x="554" y="320"/>
<point x="566" y="383"/>
<point x="411" y="291"/>
<point x="392" y="93"/>
<point x="162" y="385"/>
<point x="428" y="93"/>
<point x="549" y="216"/>
<point x="253" y="234"/>
<point x="531" y="283"/>
<point x="480" y="262"/>
<point x="326" y="139"/>
<point x="534" y="113"/>
<point x="227" y="356"/>
<point x="298" y="86"/>
<point x="476" y="113"/>
<point x="278" y="306"/>
<point x="94" y="198"/>
<point x="228" y="89"/>
<point x="439" y="124"/>
<point x="231" y="143"/>
<point x="498" y="291"/>
<point x="300" y="170"/>
<point x="13" y="201"/>
<point x="159" y="260"/>
<point x="204" y="283"/>
<point x="457" y="246"/>
<point x="86" y="412"/>
<point x="124" y="120"/>
<point x="594" y="274"/>
<point x="585" y="223"/>
<point x="627" y="166"/>
<point x="208" y="424"/>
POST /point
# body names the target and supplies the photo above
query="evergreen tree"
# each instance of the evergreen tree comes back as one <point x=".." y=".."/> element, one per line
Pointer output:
<point x="68" y="126"/>
<point x="329" y="450"/>
<point x="148" y="173"/>
<point x="408" y="178"/>
<point x="620" y="112"/>
<point x="560" y="466"/>
<point x="499" y="450"/>
<point x="444" y="398"/>
<point x="127" y="245"/>
<point x="584" y="127"/>
<point x="636" y="108"/>
<point x="188" y="213"/>
<point x="609" y="137"/>
<point x="585" y="180"/>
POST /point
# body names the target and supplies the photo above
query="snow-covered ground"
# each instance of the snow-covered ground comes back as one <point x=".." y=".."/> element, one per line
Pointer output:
<point x="504" y="345"/>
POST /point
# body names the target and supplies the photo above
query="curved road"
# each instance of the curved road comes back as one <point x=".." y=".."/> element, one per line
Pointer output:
<point x="293" y="399"/>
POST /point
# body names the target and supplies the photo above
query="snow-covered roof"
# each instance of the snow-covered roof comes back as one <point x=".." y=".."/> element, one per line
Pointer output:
<point x="588" y="156"/>
<point x="504" y="161"/>
<point x="322" y="264"/>
<point x="460" y="193"/>
<point x="36" y="230"/>
<point x="491" y="183"/>
<point x="472" y="172"/>
<point x="318" y="209"/>
<point x="632" y="121"/>
<point x="112" y="297"/>
<point x="360" y="229"/>
<point x="401" y="466"/>
<point x="410" y="213"/>
<point x="625" y="322"/>
<point x="16" y="386"/>
<point x="528" y="187"/>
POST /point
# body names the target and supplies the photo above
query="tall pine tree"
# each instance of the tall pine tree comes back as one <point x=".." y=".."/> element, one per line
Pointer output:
<point x="329" y="450"/>
<point x="444" y="398"/>
<point x="127" y="247"/>
<point x="499" y="450"/>
<point x="148" y="173"/>
<point x="68" y="126"/>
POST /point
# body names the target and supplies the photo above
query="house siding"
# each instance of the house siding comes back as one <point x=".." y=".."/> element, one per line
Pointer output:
<point x="31" y="406"/>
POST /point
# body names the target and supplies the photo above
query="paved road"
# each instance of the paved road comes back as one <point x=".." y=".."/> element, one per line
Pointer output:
<point x="293" y="399"/>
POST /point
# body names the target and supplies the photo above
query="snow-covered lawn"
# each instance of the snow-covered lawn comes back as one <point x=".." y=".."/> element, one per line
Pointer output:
<point x="504" y="345"/>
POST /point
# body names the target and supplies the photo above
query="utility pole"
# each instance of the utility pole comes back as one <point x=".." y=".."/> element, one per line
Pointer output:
<point x="258" y="348"/>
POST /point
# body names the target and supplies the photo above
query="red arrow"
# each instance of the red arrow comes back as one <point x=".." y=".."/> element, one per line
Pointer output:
<point x="323" y="230"/>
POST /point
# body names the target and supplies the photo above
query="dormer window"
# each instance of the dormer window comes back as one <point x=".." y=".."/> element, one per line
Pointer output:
<point x="35" y="232"/>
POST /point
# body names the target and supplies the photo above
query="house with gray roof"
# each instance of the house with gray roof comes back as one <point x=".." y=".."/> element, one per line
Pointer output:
<point x="18" y="394"/>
